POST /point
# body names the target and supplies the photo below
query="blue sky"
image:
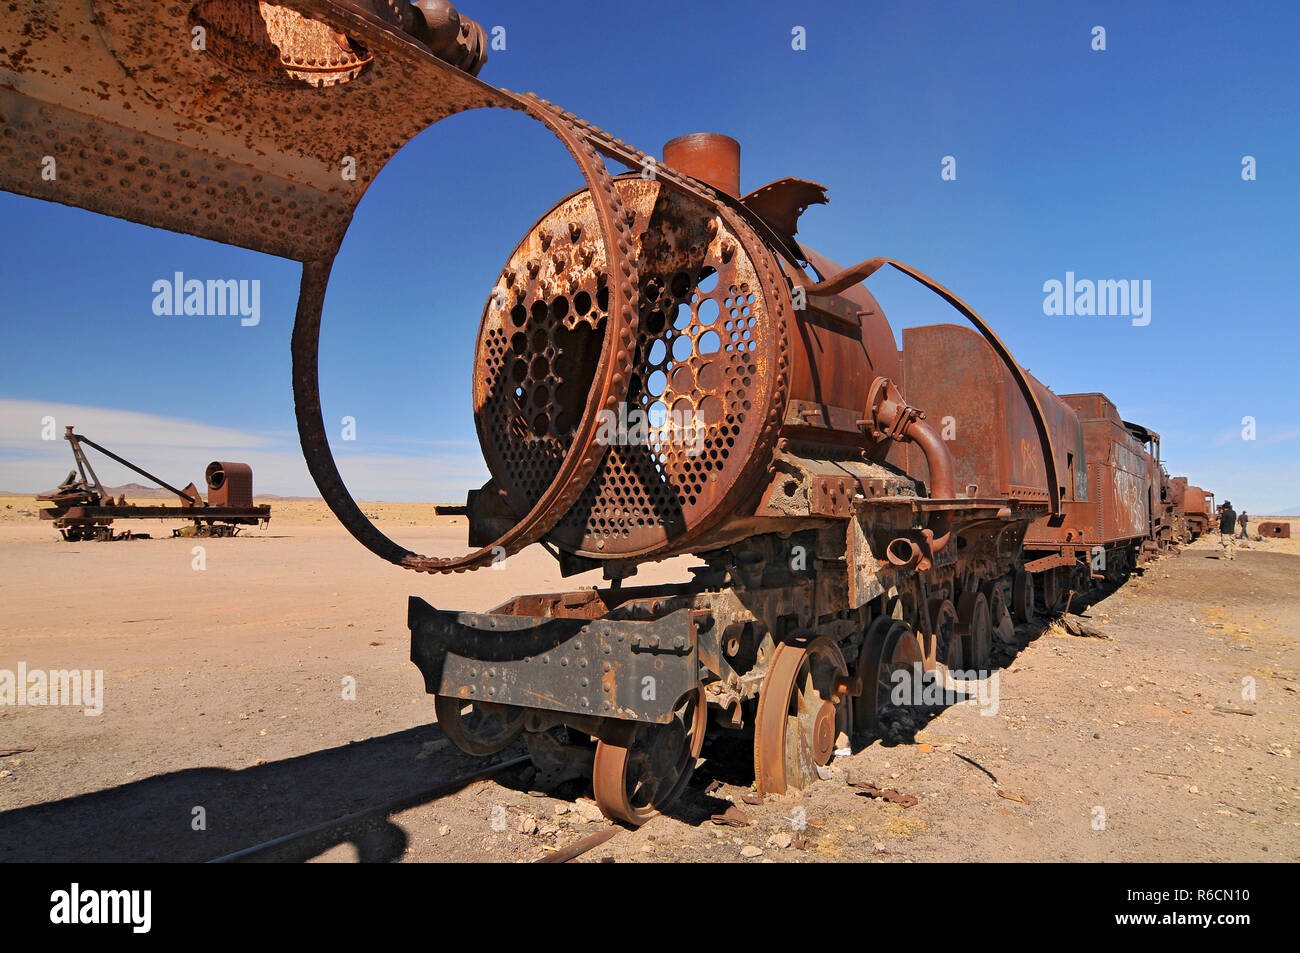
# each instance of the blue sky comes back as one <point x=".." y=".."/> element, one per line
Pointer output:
<point x="1122" y="164"/>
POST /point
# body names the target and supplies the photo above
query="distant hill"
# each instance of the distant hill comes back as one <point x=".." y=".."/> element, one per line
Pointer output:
<point x="136" y="491"/>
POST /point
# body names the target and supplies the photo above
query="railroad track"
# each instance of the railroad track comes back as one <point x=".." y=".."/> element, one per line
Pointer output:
<point x="312" y="841"/>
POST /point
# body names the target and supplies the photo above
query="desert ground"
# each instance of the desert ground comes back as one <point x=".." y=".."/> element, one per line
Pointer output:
<point x="1170" y="737"/>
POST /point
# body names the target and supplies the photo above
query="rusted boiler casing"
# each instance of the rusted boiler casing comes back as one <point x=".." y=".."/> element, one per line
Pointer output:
<point x="969" y="396"/>
<point x="1178" y="488"/>
<point x="1195" y="505"/>
<point x="1163" y="530"/>
<point x="722" y="370"/>
<point x="229" y="484"/>
<point x="1117" y="506"/>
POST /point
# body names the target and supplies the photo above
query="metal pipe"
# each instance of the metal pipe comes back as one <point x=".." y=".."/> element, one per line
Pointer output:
<point x="903" y="553"/>
<point x="131" y="466"/>
<point x="942" y="481"/>
<point x="83" y="465"/>
<point x="708" y="156"/>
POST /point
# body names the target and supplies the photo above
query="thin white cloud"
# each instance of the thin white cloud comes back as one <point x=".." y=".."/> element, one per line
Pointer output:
<point x="1225" y="437"/>
<point x="1261" y="488"/>
<point x="22" y="423"/>
<point x="1263" y="435"/>
<point x="1281" y="436"/>
<point x="177" y="450"/>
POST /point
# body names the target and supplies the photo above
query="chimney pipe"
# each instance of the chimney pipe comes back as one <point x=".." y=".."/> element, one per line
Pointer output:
<point x="708" y="156"/>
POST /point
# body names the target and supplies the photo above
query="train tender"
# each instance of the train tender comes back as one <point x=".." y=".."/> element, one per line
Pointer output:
<point x="1196" y="508"/>
<point x="661" y="368"/>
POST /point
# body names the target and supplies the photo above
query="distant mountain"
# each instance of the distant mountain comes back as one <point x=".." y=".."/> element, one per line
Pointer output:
<point x="141" y="492"/>
<point x="136" y="491"/>
<point x="132" y="491"/>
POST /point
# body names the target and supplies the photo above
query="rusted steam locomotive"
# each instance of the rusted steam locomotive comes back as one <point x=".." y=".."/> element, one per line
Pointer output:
<point x="858" y="510"/>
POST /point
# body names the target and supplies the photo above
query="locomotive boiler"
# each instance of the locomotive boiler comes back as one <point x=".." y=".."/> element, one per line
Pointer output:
<point x="662" y="367"/>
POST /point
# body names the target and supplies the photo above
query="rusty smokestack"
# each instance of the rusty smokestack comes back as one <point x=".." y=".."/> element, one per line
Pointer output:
<point x="708" y="156"/>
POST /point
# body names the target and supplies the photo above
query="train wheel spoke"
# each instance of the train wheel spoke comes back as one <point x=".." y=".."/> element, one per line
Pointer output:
<point x="800" y="714"/>
<point x="641" y="769"/>
<point x="478" y="728"/>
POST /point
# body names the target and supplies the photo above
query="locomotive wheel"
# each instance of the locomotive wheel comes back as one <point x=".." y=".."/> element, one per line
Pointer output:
<point x="943" y="646"/>
<point x="800" y="713"/>
<point x="1053" y="590"/>
<point x="478" y="728"/>
<point x="975" y="629"/>
<point x="873" y="669"/>
<point x="891" y="646"/>
<point x="1004" y="627"/>
<point x="641" y="768"/>
<point x="1022" y="596"/>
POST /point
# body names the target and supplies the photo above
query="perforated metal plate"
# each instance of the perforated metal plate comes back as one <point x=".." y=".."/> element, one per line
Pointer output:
<point x="701" y="385"/>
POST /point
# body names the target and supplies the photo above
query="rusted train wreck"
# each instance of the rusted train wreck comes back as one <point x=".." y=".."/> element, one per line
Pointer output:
<point x="845" y="534"/>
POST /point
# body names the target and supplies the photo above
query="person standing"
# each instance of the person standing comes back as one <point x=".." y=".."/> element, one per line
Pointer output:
<point x="1227" y="523"/>
<point x="1241" y="521"/>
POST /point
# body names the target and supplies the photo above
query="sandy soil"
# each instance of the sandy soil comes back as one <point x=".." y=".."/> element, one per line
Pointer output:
<point x="223" y="691"/>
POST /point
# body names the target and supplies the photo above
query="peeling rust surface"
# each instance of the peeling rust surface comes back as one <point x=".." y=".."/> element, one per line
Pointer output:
<point x="702" y="386"/>
<point x="149" y="128"/>
<point x="220" y="142"/>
